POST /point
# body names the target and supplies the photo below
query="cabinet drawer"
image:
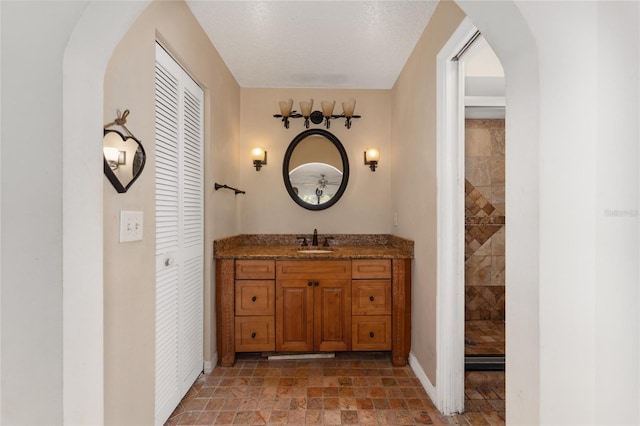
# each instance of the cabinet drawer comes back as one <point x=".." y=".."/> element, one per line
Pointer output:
<point x="371" y="333"/>
<point x="255" y="297"/>
<point x="313" y="269"/>
<point x="254" y="334"/>
<point x="371" y="268"/>
<point x="255" y="269"/>
<point x="371" y="297"/>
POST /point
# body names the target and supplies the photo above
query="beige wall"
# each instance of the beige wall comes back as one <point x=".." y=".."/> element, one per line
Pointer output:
<point x="129" y="268"/>
<point x="267" y="207"/>
<point x="413" y="183"/>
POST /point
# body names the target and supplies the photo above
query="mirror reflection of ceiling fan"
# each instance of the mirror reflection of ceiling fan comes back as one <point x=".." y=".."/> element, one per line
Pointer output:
<point x="315" y="183"/>
<point x="322" y="186"/>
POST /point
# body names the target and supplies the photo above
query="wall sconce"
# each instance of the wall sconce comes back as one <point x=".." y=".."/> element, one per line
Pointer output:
<point x="114" y="157"/>
<point x="371" y="158"/>
<point x="259" y="157"/>
<point x="316" y="117"/>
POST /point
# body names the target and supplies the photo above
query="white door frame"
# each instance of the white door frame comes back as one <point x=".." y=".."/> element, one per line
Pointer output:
<point x="450" y="223"/>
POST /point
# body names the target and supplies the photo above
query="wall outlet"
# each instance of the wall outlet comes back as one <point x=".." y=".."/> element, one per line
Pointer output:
<point x="130" y="226"/>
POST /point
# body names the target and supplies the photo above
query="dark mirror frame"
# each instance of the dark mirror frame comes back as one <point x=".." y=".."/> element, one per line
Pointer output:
<point x="345" y="168"/>
<point x="119" y="187"/>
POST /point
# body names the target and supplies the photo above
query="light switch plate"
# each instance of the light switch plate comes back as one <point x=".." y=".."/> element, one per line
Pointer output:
<point x="130" y="226"/>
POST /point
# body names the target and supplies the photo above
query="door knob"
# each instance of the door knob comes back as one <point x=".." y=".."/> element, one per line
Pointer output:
<point x="253" y="299"/>
<point x="371" y="298"/>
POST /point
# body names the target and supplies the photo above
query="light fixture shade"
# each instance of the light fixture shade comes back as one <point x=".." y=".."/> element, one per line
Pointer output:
<point x="306" y="107"/>
<point x="286" y="107"/>
<point x="257" y="154"/>
<point x="372" y="154"/>
<point x="348" y="107"/>
<point x="327" y="108"/>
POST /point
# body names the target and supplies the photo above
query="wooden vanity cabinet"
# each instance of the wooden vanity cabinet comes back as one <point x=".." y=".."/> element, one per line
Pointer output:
<point x="371" y="308"/>
<point x="313" y="305"/>
<point x="254" y="305"/>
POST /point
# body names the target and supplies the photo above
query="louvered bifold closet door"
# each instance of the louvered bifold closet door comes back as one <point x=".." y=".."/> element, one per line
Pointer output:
<point x="179" y="233"/>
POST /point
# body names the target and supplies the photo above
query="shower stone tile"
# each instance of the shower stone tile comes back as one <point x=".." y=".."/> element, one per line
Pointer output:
<point x="497" y="171"/>
<point x="478" y="171"/>
<point x="477" y="270"/>
<point x="497" y="271"/>
<point x="497" y="142"/>
<point x="477" y="142"/>
<point x="497" y="243"/>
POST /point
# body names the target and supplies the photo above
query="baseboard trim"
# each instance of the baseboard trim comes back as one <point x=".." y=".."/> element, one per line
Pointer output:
<point x="422" y="377"/>
<point x="210" y="365"/>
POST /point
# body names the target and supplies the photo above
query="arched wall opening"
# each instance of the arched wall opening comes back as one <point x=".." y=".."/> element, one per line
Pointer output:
<point x="93" y="41"/>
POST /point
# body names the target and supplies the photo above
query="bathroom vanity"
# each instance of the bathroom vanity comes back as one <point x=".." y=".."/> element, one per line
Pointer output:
<point x="273" y="295"/>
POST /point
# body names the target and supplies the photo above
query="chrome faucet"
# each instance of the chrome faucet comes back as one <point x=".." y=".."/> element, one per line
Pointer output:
<point x="314" y="241"/>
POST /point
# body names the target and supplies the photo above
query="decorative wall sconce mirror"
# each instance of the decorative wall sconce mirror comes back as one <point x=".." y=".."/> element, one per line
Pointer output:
<point x="124" y="156"/>
<point x="315" y="169"/>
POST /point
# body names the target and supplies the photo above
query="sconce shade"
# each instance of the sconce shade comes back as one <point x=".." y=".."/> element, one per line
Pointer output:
<point x="371" y="158"/>
<point x="306" y="107"/>
<point x="327" y="108"/>
<point x="257" y="154"/>
<point x="258" y="157"/>
<point x="373" y="154"/>
<point x="285" y="107"/>
<point x="348" y="107"/>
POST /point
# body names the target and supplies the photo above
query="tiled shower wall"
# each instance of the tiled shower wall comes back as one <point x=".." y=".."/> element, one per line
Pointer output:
<point x="484" y="220"/>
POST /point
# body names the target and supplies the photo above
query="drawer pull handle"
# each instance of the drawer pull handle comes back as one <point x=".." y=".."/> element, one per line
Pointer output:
<point x="371" y="334"/>
<point x="371" y="298"/>
<point x="253" y="299"/>
<point x="310" y="284"/>
<point x="253" y="335"/>
<point x="316" y="283"/>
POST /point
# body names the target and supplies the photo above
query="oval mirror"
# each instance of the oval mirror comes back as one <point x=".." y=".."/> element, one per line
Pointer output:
<point x="315" y="169"/>
<point x="124" y="159"/>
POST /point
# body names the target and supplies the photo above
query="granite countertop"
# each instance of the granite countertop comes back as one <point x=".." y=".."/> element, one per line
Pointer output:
<point x="342" y="246"/>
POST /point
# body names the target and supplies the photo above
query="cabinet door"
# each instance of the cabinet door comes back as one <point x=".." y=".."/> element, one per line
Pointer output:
<point x="332" y="315"/>
<point x="294" y="315"/>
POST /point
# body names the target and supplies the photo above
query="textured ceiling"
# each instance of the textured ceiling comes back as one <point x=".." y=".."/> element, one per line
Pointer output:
<point x="314" y="44"/>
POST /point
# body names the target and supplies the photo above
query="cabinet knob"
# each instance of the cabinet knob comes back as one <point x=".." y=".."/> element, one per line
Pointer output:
<point x="316" y="283"/>
<point x="253" y="335"/>
<point x="253" y="299"/>
<point x="309" y="283"/>
<point x="371" y="298"/>
<point x="371" y="334"/>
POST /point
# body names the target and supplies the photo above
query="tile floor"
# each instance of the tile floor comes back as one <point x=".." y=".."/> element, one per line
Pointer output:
<point x="357" y="388"/>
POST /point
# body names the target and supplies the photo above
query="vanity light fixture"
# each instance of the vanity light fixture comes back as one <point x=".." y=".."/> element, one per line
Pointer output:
<point x="371" y="158"/>
<point x="114" y="157"/>
<point x="316" y="117"/>
<point x="259" y="157"/>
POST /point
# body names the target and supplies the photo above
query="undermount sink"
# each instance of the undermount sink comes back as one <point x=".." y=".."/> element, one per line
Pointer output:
<point x="315" y="251"/>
